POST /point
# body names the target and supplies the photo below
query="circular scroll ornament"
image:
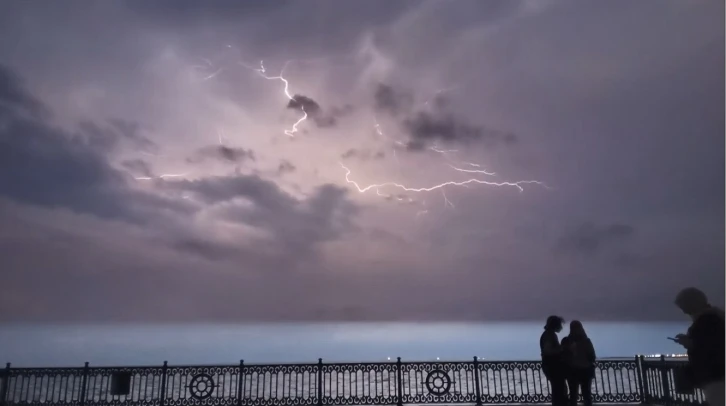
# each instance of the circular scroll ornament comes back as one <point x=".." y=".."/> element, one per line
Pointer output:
<point x="201" y="386"/>
<point x="438" y="382"/>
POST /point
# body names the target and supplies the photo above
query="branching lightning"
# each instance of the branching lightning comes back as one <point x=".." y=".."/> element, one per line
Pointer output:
<point x="262" y="72"/>
<point x="363" y="189"/>
<point x="381" y="189"/>
<point x="453" y="164"/>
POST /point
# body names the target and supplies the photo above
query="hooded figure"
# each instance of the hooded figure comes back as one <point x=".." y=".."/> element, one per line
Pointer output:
<point x="704" y="343"/>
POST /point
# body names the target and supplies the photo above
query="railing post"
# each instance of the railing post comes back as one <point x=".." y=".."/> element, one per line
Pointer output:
<point x="664" y="380"/>
<point x="476" y="381"/>
<point x="6" y="383"/>
<point x="320" y="381"/>
<point x="399" y="382"/>
<point x="642" y="379"/>
<point x="84" y="383"/>
<point x="239" y="381"/>
<point x="162" y="391"/>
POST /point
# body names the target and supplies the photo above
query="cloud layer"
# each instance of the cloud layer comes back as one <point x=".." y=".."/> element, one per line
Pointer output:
<point x="148" y="171"/>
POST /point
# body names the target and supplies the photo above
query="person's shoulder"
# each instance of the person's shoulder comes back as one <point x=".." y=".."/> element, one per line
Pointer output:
<point x="709" y="319"/>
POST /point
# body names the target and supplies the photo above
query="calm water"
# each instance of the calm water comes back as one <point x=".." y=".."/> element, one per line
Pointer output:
<point x="25" y="345"/>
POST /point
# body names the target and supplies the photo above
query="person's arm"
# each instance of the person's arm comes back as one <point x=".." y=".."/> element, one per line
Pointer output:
<point x="551" y="346"/>
<point x="591" y="351"/>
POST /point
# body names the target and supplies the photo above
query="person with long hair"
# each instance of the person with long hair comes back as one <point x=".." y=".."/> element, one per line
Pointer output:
<point x="552" y="362"/>
<point x="579" y="355"/>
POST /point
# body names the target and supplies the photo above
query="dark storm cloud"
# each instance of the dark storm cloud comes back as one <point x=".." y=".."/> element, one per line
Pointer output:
<point x="107" y="137"/>
<point x="436" y="124"/>
<point x="392" y="101"/>
<point x="363" y="154"/>
<point x="132" y="132"/>
<point x="297" y="225"/>
<point x="303" y="102"/>
<point x="315" y="112"/>
<point x="190" y="10"/>
<point x="285" y="167"/>
<point x="14" y="99"/>
<point x="220" y="189"/>
<point x="425" y="128"/>
<point x="45" y="166"/>
<point x="222" y="153"/>
<point x="138" y="167"/>
<point x="589" y="238"/>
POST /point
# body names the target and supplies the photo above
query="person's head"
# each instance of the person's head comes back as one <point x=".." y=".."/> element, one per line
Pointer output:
<point x="554" y="323"/>
<point x="692" y="301"/>
<point x="576" y="329"/>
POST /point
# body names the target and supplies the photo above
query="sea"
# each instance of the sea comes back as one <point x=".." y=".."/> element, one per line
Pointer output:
<point x="26" y="345"/>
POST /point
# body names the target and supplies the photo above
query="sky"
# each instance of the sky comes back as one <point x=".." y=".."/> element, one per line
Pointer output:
<point x="533" y="157"/>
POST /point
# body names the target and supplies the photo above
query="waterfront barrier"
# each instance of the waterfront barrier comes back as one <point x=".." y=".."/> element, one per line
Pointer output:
<point x="624" y="381"/>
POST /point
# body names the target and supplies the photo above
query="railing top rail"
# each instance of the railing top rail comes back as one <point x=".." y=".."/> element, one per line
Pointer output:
<point x="391" y="362"/>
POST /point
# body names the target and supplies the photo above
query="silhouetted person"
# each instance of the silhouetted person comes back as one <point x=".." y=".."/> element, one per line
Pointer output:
<point x="580" y="360"/>
<point x="704" y="343"/>
<point x="552" y="360"/>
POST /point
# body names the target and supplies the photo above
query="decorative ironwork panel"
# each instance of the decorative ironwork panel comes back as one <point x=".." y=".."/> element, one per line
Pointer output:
<point x="512" y="382"/>
<point x="659" y="384"/>
<point x="144" y="389"/>
<point x="616" y="382"/>
<point x="460" y="383"/>
<point x="359" y="384"/>
<point x="202" y="385"/>
<point x="289" y="385"/>
<point x="57" y="386"/>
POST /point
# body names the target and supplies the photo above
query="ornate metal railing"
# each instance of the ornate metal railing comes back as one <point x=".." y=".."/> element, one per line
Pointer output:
<point x="388" y="383"/>
<point x="659" y="383"/>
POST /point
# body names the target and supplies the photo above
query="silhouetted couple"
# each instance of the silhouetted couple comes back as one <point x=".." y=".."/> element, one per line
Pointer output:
<point x="570" y="363"/>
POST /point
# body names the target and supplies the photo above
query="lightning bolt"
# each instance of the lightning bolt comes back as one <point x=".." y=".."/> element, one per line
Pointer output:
<point x="484" y="172"/>
<point x="286" y="90"/>
<point x="363" y="189"/>
<point x="447" y="202"/>
<point x="442" y="151"/>
<point x="215" y="73"/>
<point x="163" y="176"/>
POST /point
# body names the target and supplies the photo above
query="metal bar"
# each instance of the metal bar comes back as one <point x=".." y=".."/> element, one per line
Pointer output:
<point x="477" y="384"/>
<point x="84" y="382"/>
<point x="6" y="383"/>
<point x="239" y="382"/>
<point x="162" y="391"/>
<point x="399" y="382"/>
<point x="664" y="380"/>
<point x="642" y="382"/>
<point x="320" y="381"/>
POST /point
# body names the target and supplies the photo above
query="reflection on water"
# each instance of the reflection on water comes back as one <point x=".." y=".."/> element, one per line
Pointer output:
<point x="26" y="345"/>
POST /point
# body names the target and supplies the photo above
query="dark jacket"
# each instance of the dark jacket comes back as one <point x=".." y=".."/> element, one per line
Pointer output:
<point x="552" y="359"/>
<point x="706" y="353"/>
<point x="579" y="353"/>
